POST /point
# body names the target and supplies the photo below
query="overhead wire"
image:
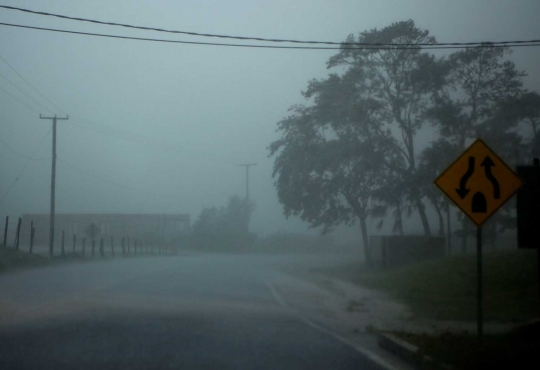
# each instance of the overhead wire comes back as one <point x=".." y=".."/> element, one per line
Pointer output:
<point x="19" y="101"/>
<point x="263" y="39"/>
<point x="371" y="46"/>
<point x="85" y="123"/>
<point x="121" y="134"/>
<point x="25" y="93"/>
<point x="32" y="86"/>
<point x="24" y="168"/>
<point x="22" y="155"/>
<point x="90" y="174"/>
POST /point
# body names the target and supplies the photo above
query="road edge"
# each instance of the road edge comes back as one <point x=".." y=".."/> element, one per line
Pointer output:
<point x="370" y="355"/>
<point x="408" y="352"/>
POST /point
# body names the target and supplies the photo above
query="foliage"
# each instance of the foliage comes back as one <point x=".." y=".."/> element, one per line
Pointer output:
<point x="336" y="156"/>
<point x="224" y="228"/>
<point x="350" y="153"/>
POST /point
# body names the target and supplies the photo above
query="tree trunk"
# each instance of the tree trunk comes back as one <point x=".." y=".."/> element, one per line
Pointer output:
<point x="365" y="240"/>
<point x="449" y="231"/>
<point x="399" y="219"/>
<point x="465" y="231"/>
<point x="422" y="212"/>
<point x="440" y="217"/>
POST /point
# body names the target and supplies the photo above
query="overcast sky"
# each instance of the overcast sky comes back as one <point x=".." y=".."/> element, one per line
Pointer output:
<point x="196" y="111"/>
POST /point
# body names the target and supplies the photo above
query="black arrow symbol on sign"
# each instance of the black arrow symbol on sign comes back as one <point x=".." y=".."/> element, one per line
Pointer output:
<point x="488" y="163"/>
<point x="462" y="191"/>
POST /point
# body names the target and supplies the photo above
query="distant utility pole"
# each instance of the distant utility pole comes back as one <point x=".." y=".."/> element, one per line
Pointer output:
<point x="247" y="165"/>
<point x="53" y="180"/>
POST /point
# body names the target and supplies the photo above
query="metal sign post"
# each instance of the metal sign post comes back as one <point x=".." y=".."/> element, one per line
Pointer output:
<point x="480" y="285"/>
<point x="528" y="209"/>
<point x="479" y="183"/>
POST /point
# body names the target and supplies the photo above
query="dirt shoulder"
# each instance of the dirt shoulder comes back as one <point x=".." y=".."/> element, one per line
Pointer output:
<point x="411" y="303"/>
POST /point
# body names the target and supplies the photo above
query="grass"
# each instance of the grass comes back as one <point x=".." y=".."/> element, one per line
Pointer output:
<point x="355" y="306"/>
<point x="514" y="349"/>
<point x="11" y="259"/>
<point x="446" y="289"/>
<point x="372" y="329"/>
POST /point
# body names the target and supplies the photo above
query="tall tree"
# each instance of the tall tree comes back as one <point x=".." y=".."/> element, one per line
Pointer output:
<point x="329" y="158"/>
<point x="224" y="228"/>
<point x="526" y="108"/>
<point x="479" y="86"/>
<point x="401" y="79"/>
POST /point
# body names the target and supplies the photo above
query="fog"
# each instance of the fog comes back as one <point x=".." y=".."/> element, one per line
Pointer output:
<point x="160" y="128"/>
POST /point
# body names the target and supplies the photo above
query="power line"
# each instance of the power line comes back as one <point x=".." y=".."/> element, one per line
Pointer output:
<point x="26" y="105"/>
<point x="190" y="33"/>
<point x="371" y="46"/>
<point x="24" y="168"/>
<point x="128" y="136"/>
<point x="87" y="173"/>
<point x="24" y="92"/>
<point x="103" y="129"/>
<point x="32" y="86"/>
<point x="21" y="155"/>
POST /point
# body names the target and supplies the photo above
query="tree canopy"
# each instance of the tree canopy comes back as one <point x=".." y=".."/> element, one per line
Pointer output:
<point x="352" y="151"/>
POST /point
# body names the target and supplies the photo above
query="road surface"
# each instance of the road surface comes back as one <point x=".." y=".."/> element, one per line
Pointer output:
<point x="182" y="312"/>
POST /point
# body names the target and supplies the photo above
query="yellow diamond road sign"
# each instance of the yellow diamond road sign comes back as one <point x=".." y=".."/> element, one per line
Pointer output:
<point x="478" y="182"/>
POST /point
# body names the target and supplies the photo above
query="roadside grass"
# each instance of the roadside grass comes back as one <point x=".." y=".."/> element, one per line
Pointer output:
<point x="515" y="349"/>
<point x="445" y="289"/>
<point x="11" y="259"/>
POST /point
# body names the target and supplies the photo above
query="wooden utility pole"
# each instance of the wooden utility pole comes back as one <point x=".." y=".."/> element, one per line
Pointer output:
<point x="5" y="231"/>
<point x="53" y="180"/>
<point x="247" y="165"/>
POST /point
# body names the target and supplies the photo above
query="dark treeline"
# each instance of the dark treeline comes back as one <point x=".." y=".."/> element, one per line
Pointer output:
<point x="353" y="151"/>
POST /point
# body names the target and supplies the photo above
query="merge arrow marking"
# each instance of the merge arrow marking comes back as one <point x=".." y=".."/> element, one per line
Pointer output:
<point x="463" y="191"/>
<point x="487" y="163"/>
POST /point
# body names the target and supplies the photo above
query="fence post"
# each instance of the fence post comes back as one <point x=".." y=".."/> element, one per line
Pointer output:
<point x="123" y="246"/>
<point x="18" y="235"/>
<point x="83" y="246"/>
<point x="5" y="231"/>
<point x="93" y="248"/>
<point x="74" y="242"/>
<point x="63" y="238"/>
<point x="32" y="231"/>
<point x="101" y="250"/>
<point x="129" y="251"/>
<point x="112" y="246"/>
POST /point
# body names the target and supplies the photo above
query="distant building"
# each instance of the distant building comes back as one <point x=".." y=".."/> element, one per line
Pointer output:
<point x="150" y="227"/>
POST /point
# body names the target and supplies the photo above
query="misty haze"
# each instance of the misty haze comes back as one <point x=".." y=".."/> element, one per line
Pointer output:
<point x="269" y="184"/>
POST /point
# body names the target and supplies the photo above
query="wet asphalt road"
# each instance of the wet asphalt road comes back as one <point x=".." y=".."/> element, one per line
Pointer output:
<point x="186" y="312"/>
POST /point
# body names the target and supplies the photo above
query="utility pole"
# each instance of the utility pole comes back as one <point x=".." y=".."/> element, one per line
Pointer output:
<point x="247" y="165"/>
<point x="53" y="180"/>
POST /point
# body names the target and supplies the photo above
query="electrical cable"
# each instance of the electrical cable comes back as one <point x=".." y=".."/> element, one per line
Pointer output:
<point x="128" y="136"/>
<point x="21" y="155"/>
<point x="87" y="173"/>
<point x="24" y="92"/>
<point x="373" y="46"/>
<point x="24" y="168"/>
<point x="256" y="38"/>
<point x="26" y="105"/>
<point x="104" y="129"/>
<point x="32" y="86"/>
